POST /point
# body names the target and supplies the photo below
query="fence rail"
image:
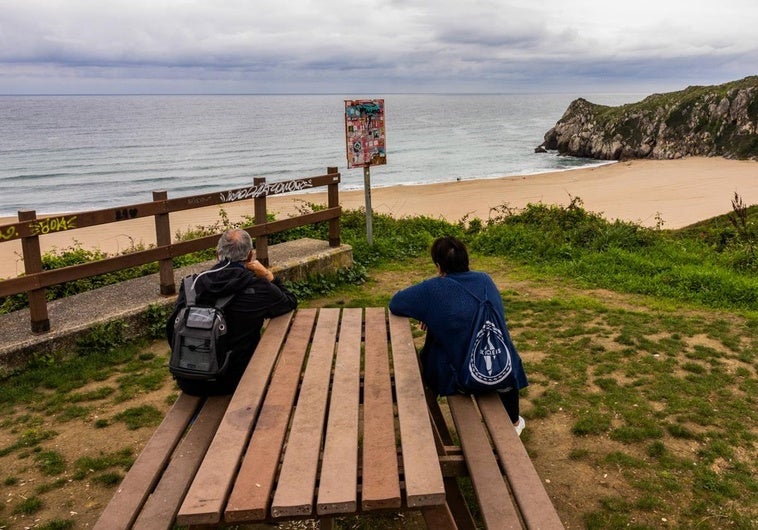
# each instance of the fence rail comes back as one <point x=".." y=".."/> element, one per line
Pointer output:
<point x="30" y="228"/>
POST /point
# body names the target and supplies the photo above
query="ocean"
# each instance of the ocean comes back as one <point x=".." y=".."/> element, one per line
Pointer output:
<point x="76" y="153"/>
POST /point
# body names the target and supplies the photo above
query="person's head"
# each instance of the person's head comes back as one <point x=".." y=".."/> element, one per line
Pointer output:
<point x="450" y="255"/>
<point x="234" y="245"/>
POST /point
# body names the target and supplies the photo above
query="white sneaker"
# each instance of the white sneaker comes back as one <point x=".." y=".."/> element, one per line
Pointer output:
<point x="520" y="425"/>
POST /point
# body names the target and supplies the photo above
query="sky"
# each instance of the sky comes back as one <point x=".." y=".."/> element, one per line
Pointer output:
<point x="373" y="47"/>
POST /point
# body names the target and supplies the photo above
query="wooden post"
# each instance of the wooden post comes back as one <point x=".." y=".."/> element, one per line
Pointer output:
<point x="259" y="204"/>
<point x="333" y="202"/>
<point x="40" y="322"/>
<point x="163" y="238"/>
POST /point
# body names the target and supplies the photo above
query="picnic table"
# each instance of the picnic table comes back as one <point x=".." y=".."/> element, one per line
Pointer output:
<point x="330" y="418"/>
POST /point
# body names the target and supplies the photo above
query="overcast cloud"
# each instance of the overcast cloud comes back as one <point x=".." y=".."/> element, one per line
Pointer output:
<point x="363" y="47"/>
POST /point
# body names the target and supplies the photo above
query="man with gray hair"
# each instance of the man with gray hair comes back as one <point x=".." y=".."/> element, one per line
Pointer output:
<point x="258" y="295"/>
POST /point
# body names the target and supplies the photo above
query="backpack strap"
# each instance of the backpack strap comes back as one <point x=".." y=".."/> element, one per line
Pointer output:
<point x="191" y="295"/>
<point x="469" y="291"/>
<point x="222" y="302"/>
<point x="189" y="291"/>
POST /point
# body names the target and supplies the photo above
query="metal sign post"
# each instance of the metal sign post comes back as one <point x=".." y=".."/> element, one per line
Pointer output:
<point x="366" y="145"/>
<point x="369" y="212"/>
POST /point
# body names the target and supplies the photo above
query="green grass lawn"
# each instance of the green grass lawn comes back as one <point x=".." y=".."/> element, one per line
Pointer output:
<point x="641" y="347"/>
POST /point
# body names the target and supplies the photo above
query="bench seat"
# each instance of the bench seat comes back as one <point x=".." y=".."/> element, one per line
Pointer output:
<point x="509" y="492"/>
<point x="150" y="494"/>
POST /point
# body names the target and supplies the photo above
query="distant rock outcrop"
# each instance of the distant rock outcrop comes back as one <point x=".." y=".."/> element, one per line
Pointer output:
<point x="717" y="120"/>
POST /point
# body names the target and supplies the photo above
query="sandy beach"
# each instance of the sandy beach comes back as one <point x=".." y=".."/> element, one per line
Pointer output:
<point x="676" y="192"/>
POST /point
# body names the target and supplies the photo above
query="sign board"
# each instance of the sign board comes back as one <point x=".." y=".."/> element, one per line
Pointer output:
<point x="364" y="132"/>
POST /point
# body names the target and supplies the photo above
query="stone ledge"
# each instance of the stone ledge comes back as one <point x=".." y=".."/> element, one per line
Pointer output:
<point x="129" y="301"/>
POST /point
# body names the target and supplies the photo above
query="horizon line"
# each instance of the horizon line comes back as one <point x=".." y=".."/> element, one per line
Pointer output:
<point x="342" y="94"/>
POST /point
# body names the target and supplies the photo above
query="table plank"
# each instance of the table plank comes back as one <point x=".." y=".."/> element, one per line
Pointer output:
<point x="161" y="507"/>
<point x="494" y="498"/>
<point x="295" y="490"/>
<point x="535" y="505"/>
<point x="207" y="496"/>
<point x="381" y="480"/>
<point x="421" y="469"/>
<point x="338" y="485"/>
<point x="249" y="499"/>
<point x="146" y="470"/>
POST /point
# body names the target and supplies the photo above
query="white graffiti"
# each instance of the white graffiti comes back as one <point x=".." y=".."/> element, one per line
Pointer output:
<point x="199" y="200"/>
<point x="266" y="188"/>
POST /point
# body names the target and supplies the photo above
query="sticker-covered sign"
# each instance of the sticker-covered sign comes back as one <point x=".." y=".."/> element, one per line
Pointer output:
<point x="364" y="132"/>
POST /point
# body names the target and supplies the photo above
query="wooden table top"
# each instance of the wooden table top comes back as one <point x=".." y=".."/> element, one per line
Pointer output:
<point x="330" y="418"/>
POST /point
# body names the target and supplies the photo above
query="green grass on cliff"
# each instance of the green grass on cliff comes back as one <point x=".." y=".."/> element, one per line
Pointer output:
<point x="686" y="112"/>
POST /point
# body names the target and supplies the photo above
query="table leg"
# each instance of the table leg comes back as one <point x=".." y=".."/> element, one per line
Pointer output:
<point x="456" y="507"/>
<point x="439" y="426"/>
<point x="439" y="518"/>
<point x="457" y="504"/>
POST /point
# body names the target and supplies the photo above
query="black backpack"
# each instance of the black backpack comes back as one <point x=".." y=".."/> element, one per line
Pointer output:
<point x="487" y="364"/>
<point x="199" y="349"/>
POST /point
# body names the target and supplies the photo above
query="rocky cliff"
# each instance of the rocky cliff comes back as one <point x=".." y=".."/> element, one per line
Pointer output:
<point x="717" y="120"/>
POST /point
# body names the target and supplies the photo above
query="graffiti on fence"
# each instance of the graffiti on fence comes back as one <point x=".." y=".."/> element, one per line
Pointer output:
<point x="8" y="233"/>
<point x="267" y="188"/>
<point x="52" y="224"/>
<point x="126" y="213"/>
<point x="199" y="200"/>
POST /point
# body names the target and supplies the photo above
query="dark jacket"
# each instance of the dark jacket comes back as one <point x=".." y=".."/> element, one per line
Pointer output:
<point x="449" y="312"/>
<point x="255" y="300"/>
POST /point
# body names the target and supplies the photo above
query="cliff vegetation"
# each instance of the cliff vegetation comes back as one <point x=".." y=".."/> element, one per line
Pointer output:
<point x="719" y="120"/>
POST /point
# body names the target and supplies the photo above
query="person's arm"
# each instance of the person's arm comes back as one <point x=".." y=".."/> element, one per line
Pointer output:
<point x="259" y="269"/>
<point x="279" y="300"/>
<point x="286" y="303"/>
<point x="409" y="302"/>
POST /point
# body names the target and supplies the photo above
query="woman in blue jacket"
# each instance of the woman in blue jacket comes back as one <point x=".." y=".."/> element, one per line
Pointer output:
<point x="447" y="312"/>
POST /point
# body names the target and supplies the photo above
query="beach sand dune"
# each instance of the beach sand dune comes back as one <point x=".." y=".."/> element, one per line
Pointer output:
<point x="675" y="193"/>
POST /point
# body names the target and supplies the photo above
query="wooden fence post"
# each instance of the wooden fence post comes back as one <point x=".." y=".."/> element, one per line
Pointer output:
<point x="333" y="201"/>
<point x="259" y="204"/>
<point x="40" y="322"/>
<point x="163" y="238"/>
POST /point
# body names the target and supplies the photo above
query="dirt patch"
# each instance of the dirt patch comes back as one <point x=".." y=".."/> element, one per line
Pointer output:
<point x="77" y="494"/>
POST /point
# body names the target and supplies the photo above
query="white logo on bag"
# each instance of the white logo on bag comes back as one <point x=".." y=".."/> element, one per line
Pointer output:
<point x="490" y="346"/>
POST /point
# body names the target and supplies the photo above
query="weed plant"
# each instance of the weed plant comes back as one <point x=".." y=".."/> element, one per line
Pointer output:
<point x="712" y="265"/>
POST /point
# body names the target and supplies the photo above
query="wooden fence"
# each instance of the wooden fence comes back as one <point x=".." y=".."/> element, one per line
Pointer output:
<point x="30" y="228"/>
